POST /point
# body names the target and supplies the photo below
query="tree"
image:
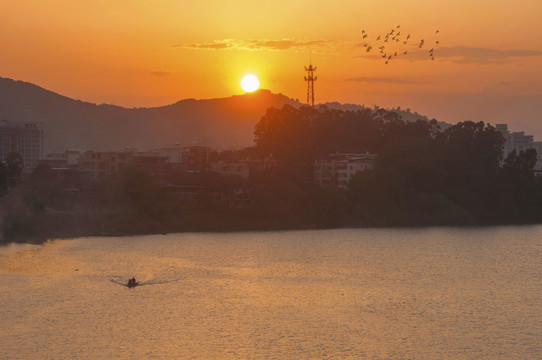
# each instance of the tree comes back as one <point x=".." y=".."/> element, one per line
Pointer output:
<point x="14" y="167"/>
<point x="3" y="179"/>
<point x="470" y="154"/>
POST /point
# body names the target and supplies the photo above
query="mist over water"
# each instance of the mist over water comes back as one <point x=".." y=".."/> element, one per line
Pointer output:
<point x="436" y="293"/>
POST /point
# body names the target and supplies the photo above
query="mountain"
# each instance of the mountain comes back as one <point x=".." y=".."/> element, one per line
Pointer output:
<point x="73" y="124"/>
<point x="406" y="115"/>
<point x="68" y="123"/>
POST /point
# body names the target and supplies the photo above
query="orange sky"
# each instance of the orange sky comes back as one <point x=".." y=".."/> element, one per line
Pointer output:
<point x="488" y="65"/>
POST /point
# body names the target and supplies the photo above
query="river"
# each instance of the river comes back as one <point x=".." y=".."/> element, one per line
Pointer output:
<point x="434" y="293"/>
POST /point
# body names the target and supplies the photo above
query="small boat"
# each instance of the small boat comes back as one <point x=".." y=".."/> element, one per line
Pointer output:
<point x="132" y="283"/>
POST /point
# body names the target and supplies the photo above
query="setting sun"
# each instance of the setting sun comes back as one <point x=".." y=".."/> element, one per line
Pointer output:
<point x="250" y="83"/>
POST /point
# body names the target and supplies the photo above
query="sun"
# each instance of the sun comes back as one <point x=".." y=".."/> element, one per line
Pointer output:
<point x="250" y="83"/>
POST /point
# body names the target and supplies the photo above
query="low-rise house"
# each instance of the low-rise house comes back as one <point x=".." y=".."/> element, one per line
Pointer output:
<point x="157" y="166"/>
<point x="243" y="168"/>
<point x="231" y="168"/>
<point x="195" y="158"/>
<point x="95" y="165"/>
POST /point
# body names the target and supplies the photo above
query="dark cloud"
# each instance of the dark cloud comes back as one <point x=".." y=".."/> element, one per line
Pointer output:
<point x="160" y="73"/>
<point x="476" y="55"/>
<point x="253" y="44"/>
<point x="384" y="80"/>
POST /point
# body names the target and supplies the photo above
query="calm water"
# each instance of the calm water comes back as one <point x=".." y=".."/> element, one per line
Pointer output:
<point x="339" y="294"/>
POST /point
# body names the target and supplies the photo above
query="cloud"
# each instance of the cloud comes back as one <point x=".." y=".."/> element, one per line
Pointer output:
<point x="254" y="44"/>
<point x="160" y="73"/>
<point x="384" y="80"/>
<point x="476" y="55"/>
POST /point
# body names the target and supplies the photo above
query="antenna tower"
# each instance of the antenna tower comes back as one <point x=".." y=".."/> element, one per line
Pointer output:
<point x="310" y="79"/>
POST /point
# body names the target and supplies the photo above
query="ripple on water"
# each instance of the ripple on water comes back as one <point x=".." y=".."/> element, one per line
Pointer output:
<point x="339" y="294"/>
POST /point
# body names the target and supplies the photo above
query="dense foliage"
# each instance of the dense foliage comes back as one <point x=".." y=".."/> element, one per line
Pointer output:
<point x="423" y="176"/>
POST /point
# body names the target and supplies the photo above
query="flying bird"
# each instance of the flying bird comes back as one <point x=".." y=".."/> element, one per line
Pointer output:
<point x="400" y="49"/>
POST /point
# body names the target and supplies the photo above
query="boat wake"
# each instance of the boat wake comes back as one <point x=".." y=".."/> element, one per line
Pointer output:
<point x="144" y="283"/>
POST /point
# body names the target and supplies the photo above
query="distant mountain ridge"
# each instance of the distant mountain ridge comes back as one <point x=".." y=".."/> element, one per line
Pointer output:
<point x="74" y="124"/>
<point x="68" y="123"/>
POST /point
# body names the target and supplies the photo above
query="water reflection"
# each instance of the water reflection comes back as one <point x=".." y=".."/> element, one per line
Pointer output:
<point x="382" y="294"/>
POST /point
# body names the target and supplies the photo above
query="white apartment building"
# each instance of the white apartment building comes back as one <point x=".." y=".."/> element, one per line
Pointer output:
<point x="336" y="170"/>
<point x="519" y="141"/>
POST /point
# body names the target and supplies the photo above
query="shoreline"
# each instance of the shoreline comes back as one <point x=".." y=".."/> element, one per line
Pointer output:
<point x="42" y="240"/>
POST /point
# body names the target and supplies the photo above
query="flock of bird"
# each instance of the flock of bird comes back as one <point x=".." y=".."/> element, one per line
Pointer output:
<point x="394" y="44"/>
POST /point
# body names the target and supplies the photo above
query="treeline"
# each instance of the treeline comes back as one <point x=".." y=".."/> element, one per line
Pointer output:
<point x="423" y="176"/>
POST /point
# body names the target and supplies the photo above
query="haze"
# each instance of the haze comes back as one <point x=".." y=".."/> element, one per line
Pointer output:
<point x="142" y="53"/>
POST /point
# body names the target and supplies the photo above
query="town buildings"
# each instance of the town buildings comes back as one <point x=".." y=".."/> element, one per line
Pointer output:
<point x="26" y="139"/>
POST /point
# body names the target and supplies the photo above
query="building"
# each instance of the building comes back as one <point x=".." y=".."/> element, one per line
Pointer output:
<point x="519" y="141"/>
<point x="26" y="139"/>
<point x="72" y="157"/>
<point x="174" y="154"/>
<point x="243" y="168"/>
<point x="336" y="170"/>
<point x="195" y="158"/>
<point x="95" y="165"/>
<point x="157" y="166"/>
<point x="54" y="160"/>
<point x="231" y="168"/>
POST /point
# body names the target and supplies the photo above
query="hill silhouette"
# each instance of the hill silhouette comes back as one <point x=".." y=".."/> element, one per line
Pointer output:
<point x="68" y="123"/>
<point x="74" y="124"/>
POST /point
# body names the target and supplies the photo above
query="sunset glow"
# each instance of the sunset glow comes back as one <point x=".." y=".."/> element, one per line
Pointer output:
<point x="140" y="53"/>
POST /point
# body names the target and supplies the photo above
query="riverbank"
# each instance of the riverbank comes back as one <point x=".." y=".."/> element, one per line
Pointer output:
<point x="37" y="228"/>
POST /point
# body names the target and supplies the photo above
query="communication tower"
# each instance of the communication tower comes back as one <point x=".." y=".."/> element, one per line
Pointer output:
<point x="310" y="79"/>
